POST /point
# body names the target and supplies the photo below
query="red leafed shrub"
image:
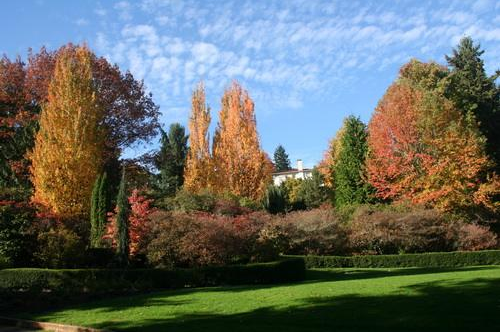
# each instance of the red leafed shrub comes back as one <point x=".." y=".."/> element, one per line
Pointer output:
<point x="200" y="239"/>
<point x="138" y="223"/>
<point x="390" y="232"/>
<point x="315" y="232"/>
<point x="473" y="237"/>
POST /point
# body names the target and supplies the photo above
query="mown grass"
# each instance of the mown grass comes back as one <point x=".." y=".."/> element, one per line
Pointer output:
<point x="461" y="299"/>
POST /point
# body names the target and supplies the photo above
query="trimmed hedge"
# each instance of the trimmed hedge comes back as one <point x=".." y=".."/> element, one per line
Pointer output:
<point x="435" y="259"/>
<point x="95" y="281"/>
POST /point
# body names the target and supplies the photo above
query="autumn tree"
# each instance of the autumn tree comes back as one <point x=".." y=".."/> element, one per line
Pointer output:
<point x="67" y="156"/>
<point x="349" y="171"/>
<point x="17" y="126"/>
<point x="474" y="92"/>
<point x="330" y="156"/>
<point x="198" y="173"/>
<point x="171" y="160"/>
<point x="138" y="225"/>
<point x="422" y="148"/>
<point x="281" y="160"/>
<point x="241" y="166"/>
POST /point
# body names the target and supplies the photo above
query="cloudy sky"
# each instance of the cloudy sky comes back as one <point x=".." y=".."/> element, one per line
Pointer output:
<point x="307" y="64"/>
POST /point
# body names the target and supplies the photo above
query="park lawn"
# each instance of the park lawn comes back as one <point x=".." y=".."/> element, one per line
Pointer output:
<point x="457" y="299"/>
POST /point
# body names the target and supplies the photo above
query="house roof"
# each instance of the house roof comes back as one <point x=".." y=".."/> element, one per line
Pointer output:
<point x="291" y="171"/>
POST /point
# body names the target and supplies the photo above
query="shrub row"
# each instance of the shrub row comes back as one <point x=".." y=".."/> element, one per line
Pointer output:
<point x="95" y="281"/>
<point x="436" y="259"/>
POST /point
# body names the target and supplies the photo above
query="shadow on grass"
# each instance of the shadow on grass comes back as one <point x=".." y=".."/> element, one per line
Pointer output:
<point x="473" y="305"/>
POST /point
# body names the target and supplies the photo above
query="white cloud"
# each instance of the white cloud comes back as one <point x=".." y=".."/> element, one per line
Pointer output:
<point x="81" y="22"/>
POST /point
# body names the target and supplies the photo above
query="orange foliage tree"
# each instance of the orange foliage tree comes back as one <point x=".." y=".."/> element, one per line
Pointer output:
<point x="330" y="156"/>
<point x="198" y="171"/>
<point x="68" y="147"/>
<point x="422" y="148"/>
<point x="241" y="167"/>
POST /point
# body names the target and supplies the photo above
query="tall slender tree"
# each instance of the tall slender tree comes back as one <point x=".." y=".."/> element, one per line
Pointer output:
<point x="241" y="166"/>
<point x="349" y="171"/>
<point x="98" y="211"/>
<point x="68" y="149"/>
<point x="199" y="169"/>
<point x="122" y="227"/>
<point x="281" y="160"/>
<point x="171" y="159"/>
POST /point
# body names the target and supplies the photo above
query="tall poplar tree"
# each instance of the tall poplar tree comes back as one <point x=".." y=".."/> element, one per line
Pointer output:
<point x="67" y="156"/>
<point x="98" y="211"/>
<point x="199" y="170"/>
<point x="241" y="167"/>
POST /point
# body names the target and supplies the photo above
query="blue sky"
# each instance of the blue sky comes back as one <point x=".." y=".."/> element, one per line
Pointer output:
<point x="307" y="64"/>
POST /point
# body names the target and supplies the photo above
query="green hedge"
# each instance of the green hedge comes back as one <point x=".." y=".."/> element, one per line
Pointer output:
<point x="89" y="281"/>
<point x="436" y="259"/>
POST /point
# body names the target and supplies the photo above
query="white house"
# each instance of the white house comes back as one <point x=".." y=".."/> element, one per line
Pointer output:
<point x="299" y="173"/>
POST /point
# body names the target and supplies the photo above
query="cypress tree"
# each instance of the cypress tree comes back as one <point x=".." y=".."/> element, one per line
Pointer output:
<point x="122" y="221"/>
<point x="99" y="210"/>
<point x="281" y="160"/>
<point x="94" y="204"/>
<point x="349" y="170"/>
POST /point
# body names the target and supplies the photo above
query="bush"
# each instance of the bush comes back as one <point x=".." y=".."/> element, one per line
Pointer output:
<point x="185" y="201"/>
<point x="59" y="248"/>
<point x="15" y="238"/>
<point x="473" y="237"/>
<point x="274" y="200"/>
<point x="72" y="282"/>
<point x="436" y="259"/>
<point x="317" y="231"/>
<point x="388" y="232"/>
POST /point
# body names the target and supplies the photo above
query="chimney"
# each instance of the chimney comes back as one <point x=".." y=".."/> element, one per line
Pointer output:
<point x="300" y="165"/>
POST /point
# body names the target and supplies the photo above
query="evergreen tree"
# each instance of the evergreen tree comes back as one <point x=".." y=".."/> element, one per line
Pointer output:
<point x="98" y="212"/>
<point x="474" y="92"/>
<point x="350" y="184"/>
<point x="171" y="159"/>
<point x="122" y="211"/>
<point x="274" y="200"/>
<point x="281" y="160"/>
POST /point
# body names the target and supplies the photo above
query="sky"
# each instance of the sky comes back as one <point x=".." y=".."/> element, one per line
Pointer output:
<point x="307" y="64"/>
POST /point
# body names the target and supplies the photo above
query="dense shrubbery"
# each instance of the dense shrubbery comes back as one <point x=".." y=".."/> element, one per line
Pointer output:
<point x="198" y="239"/>
<point x="418" y="230"/>
<point x="59" y="248"/>
<point x="71" y="282"/>
<point x="436" y="259"/>
<point x="15" y="238"/>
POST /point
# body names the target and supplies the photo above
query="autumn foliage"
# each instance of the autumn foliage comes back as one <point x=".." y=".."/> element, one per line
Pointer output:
<point x="422" y="148"/>
<point x="198" y="174"/>
<point x="68" y="148"/>
<point x="138" y="223"/>
<point x="241" y="167"/>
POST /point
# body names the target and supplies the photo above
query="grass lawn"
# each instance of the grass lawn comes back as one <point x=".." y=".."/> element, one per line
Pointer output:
<point x="341" y="299"/>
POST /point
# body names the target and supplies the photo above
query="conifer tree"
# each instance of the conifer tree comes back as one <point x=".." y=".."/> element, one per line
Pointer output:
<point x="171" y="159"/>
<point x="67" y="156"/>
<point x="350" y="186"/>
<point x="122" y="213"/>
<point x="199" y="170"/>
<point x="281" y="160"/>
<point x="474" y="92"/>
<point x="99" y="210"/>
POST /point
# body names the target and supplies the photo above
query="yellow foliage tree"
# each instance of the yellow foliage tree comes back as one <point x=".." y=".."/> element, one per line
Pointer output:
<point x="241" y="167"/>
<point x="326" y="165"/>
<point x="198" y="171"/>
<point x="67" y="155"/>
